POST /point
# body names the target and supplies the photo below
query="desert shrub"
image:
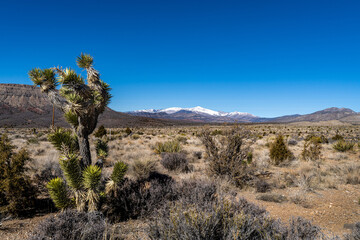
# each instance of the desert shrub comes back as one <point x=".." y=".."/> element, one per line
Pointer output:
<point x="143" y="168"/>
<point x="169" y="147"/>
<point x="272" y="197"/>
<point x="134" y="199"/>
<point x="343" y="146"/>
<point x="175" y="161"/>
<point x="352" y="174"/>
<point x="337" y="137"/>
<point x="71" y="225"/>
<point x="262" y="186"/>
<point x="100" y="132"/>
<point x="279" y="152"/>
<point x="33" y="141"/>
<point x="300" y="228"/>
<point x="128" y="131"/>
<point x="355" y="234"/>
<point x="217" y="219"/>
<point x="17" y="194"/>
<point x="316" y="139"/>
<point x="231" y="158"/>
<point x="182" y="139"/>
<point x="217" y="132"/>
<point x="311" y="150"/>
<point x="135" y="136"/>
<point x="196" y="191"/>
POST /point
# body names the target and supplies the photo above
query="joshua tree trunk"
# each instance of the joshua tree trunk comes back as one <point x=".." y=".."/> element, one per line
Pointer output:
<point x="84" y="150"/>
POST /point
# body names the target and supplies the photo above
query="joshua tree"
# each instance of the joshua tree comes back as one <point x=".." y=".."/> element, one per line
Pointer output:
<point x="81" y="102"/>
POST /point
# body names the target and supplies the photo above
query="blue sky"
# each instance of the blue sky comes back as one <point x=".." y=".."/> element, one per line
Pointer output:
<point x="266" y="57"/>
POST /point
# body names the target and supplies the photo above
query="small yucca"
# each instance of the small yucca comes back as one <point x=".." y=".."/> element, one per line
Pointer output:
<point x="102" y="148"/>
<point x="91" y="180"/>
<point x="116" y="177"/>
<point x="58" y="193"/>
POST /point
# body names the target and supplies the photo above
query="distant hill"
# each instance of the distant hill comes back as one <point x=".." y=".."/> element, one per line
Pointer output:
<point x="26" y="106"/>
<point x="328" y="114"/>
<point x="199" y="114"/>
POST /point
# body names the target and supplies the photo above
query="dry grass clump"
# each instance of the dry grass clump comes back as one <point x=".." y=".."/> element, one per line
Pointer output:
<point x="343" y="146"/>
<point x="352" y="174"/>
<point x="169" y="147"/>
<point x="143" y="168"/>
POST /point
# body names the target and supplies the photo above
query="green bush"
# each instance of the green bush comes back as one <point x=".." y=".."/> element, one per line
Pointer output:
<point x="232" y="158"/>
<point x="343" y="146"/>
<point x="337" y="137"/>
<point x="316" y="139"/>
<point x="311" y="150"/>
<point x="17" y="195"/>
<point x="169" y="147"/>
<point x="279" y="152"/>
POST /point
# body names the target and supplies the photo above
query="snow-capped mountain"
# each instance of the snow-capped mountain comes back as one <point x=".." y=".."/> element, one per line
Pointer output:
<point x="195" y="114"/>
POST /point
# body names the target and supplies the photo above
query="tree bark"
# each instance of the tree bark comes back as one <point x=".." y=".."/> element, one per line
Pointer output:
<point x="84" y="150"/>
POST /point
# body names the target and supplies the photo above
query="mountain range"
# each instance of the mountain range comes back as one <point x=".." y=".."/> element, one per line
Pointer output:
<point x="26" y="106"/>
<point x="199" y="114"/>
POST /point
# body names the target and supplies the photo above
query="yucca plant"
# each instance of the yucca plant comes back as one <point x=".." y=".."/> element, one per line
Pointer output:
<point x="61" y="138"/>
<point x="59" y="193"/>
<point x="81" y="101"/>
<point x="116" y="177"/>
<point x="91" y="180"/>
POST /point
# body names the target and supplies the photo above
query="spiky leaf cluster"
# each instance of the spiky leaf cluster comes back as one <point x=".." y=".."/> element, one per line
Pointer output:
<point x="58" y="193"/>
<point x="75" y="97"/>
<point x="64" y="140"/>
<point x="84" y="61"/>
<point x="91" y="177"/>
<point x="119" y="172"/>
<point x="70" y="165"/>
<point x="45" y="78"/>
<point x="72" y="118"/>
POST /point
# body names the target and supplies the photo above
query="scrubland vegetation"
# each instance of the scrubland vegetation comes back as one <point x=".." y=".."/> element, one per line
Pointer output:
<point x="205" y="182"/>
<point x="214" y="182"/>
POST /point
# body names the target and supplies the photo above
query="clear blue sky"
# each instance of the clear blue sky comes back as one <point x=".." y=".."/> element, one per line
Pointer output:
<point x="266" y="57"/>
